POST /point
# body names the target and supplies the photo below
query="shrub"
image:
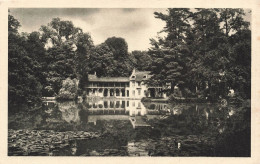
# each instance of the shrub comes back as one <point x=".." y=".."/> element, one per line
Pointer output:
<point x="145" y="99"/>
<point x="69" y="90"/>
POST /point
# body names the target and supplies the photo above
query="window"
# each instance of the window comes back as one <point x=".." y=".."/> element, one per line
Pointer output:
<point x="95" y="105"/>
<point x="133" y="77"/>
<point x="117" y="92"/>
<point x="105" y="104"/>
<point x="139" y="91"/>
<point x="123" y="104"/>
<point x="133" y="92"/>
<point x="145" y="77"/>
<point x="123" y="93"/>
<point x="111" y="84"/>
<point x="139" y="104"/>
<point x="112" y="104"/>
<point x="139" y="83"/>
<point x="117" y="104"/>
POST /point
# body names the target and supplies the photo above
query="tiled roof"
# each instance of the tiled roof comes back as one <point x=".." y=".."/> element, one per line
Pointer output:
<point x="94" y="78"/>
<point x="141" y="75"/>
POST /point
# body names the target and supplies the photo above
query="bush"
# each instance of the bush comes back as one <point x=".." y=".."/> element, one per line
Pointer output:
<point x="145" y="99"/>
<point x="69" y="90"/>
<point x="188" y="93"/>
<point x="173" y="98"/>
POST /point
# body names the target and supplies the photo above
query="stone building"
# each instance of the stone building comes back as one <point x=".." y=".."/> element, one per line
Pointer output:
<point x="133" y="87"/>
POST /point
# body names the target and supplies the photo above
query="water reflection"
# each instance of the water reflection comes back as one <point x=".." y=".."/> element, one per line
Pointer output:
<point x="130" y="127"/>
<point x="196" y="118"/>
<point x="133" y="110"/>
<point x="70" y="112"/>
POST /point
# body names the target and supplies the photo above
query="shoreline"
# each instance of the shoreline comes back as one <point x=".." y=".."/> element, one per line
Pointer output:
<point x="156" y="100"/>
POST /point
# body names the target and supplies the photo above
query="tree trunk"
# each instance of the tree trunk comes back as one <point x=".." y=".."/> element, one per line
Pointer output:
<point x="172" y="87"/>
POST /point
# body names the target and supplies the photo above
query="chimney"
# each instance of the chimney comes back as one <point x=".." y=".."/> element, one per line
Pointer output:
<point x="133" y="71"/>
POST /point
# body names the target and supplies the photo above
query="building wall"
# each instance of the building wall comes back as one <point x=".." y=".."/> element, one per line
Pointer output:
<point x="132" y="107"/>
<point x="137" y="88"/>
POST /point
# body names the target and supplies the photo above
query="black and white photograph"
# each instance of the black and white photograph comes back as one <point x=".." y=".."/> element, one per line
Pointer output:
<point x="130" y="82"/>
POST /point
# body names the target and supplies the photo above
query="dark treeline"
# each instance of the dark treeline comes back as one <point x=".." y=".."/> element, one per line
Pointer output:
<point x="56" y="60"/>
<point x="204" y="52"/>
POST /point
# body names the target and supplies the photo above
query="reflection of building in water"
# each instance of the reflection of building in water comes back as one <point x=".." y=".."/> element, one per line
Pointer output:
<point x="116" y="109"/>
<point x="119" y="109"/>
<point x="126" y="107"/>
<point x="123" y="87"/>
<point x="70" y="112"/>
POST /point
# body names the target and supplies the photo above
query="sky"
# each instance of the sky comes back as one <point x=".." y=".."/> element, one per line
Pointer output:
<point x="136" y="26"/>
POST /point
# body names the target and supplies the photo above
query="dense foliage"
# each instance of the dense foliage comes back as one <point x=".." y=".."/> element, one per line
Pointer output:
<point x="24" y="85"/>
<point x="68" y="90"/>
<point x="205" y="53"/>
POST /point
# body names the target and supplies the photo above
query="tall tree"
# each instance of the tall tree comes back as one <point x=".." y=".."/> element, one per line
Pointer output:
<point x="102" y="61"/>
<point x="233" y="20"/>
<point x="208" y="50"/>
<point x="23" y="84"/>
<point x="67" y="54"/>
<point x="170" y="53"/>
<point x="238" y="34"/>
<point x="203" y="51"/>
<point x="239" y="70"/>
<point x="119" y="48"/>
<point x="85" y="48"/>
<point x="140" y="60"/>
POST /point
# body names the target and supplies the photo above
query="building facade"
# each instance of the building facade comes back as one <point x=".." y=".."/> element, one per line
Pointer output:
<point x="133" y="87"/>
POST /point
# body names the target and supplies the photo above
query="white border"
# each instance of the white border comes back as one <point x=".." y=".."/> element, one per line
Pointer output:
<point x="254" y="5"/>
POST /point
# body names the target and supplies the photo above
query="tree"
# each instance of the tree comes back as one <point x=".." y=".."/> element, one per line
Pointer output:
<point x="118" y="46"/>
<point x="203" y="51"/>
<point x="141" y="60"/>
<point x="24" y="87"/>
<point x="121" y="64"/>
<point x="69" y="90"/>
<point x="85" y="48"/>
<point x="239" y="70"/>
<point x="36" y="50"/>
<point x="170" y="53"/>
<point x="233" y="20"/>
<point x="111" y="58"/>
<point x="102" y="61"/>
<point x="237" y="32"/>
<point x="208" y="49"/>
<point x="67" y="54"/>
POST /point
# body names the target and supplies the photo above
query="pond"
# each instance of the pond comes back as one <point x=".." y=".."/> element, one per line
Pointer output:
<point x="122" y="127"/>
